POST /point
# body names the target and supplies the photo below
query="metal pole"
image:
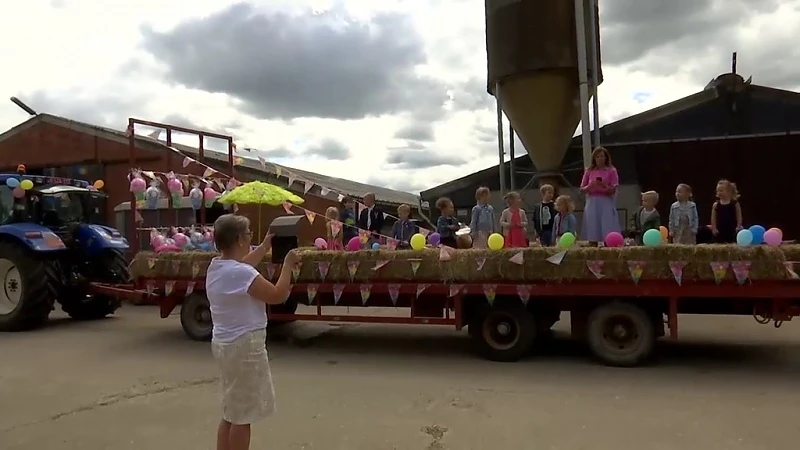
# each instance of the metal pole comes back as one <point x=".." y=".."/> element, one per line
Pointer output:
<point x="593" y="12"/>
<point x="583" y="83"/>
<point x="512" y="183"/>
<point x="501" y="151"/>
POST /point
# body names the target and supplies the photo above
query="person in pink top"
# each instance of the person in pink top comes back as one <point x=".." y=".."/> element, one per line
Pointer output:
<point x="599" y="184"/>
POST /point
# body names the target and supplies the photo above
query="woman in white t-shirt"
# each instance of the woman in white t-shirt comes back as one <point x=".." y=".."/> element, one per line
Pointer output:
<point x="237" y="294"/>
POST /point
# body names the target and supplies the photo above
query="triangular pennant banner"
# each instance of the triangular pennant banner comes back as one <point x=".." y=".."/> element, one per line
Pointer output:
<point x="287" y="207"/>
<point x="311" y="289"/>
<point x="352" y="268"/>
<point x="322" y="268"/>
<point x="296" y="270"/>
<point x="394" y="293"/>
<point x="444" y="255"/>
<point x="421" y="288"/>
<point x="391" y="244"/>
<point x="379" y="264"/>
<point x="366" y="289"/>
<point x="596" y="267"/>
<point x="278" y="170"/>
<point x="307" y="187"/>
<point x="490" y="291"/>
<point x="741" y="270"/>
<point x="337" y="293"/>
<point x="363" y="236"/>
<point x="291" y="181"/>
<point x="263" y="163"/>
<point x="189" y="288"/>
<point x="310" y="215"/>
<point x="524" y="293"/>
<point x="151" y="262"/>
<point x="271" y="270"/>
<point x="415" y="266"/>
<point x="176" y="266"/>
<point x="425" y="232"/>
<point x="636" y="269"/>
<point x="455" y="289"/>
<point x="518" y="259"/>
<point x="676" y="267"/>
<point x="480" y="262"/>
<point x="557" y="258"/>
<point x="186" y="162"/>
<point x="720" y="269"/>
<point x="151" y="287"/>
<point x="169" y="286"/>
<point x="323" y="191"/>
<point x="208" y="172"/>
<point x="789" y="265"/>
<point x="195" y="270"/>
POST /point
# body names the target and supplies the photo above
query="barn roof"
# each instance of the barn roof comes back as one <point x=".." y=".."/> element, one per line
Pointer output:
<point x="336" y="185"/>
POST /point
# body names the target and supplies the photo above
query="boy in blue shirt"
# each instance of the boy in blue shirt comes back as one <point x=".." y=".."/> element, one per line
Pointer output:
<point x="446" y="224"/>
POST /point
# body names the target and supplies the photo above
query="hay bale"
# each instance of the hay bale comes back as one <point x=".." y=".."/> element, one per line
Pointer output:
<point x="791" y="252"/>
<point x="766" y="264"/>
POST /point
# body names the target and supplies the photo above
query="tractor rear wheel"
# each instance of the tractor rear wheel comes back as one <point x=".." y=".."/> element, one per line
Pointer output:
<point x="110" y="267"/>
<point x="28" y="293"/>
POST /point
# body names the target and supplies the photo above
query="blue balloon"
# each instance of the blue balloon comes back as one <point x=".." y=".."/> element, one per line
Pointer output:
<point x="758" y="234"/>
<point x="376" y="246"/>
<point x="12" y="182"/>
<point x="744" y="238"/>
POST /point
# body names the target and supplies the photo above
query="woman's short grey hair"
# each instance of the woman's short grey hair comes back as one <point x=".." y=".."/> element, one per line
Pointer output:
<point x="228" y="228"/>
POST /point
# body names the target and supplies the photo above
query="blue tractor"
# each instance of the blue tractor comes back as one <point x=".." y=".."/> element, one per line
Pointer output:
<point x="52" y="246"/>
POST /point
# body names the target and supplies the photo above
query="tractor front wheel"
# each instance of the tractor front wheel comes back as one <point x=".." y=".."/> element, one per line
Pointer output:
<point x="27" y="294"/>
<point x="110" y="267"/>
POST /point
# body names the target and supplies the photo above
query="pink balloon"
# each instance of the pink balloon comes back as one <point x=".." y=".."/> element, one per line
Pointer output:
<point x="354" y="244"/>
<point x="180" y="239"/>
<point x="209" y="194"/>
<point x="138" y="185"/>
<point x="18" y="192"/>
<point x="614" y="239"/>
<point x="777" y="230"/>
<point x="320" y="244"/>
<point x="773" y="238"/>
<point x="157" y="241"/>
<point x="174" y="185"/>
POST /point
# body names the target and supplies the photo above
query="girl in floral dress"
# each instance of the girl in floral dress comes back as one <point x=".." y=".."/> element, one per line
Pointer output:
<point x="514" y="222"/>
<point x="683" y="218"/>
<point x="335" y="239"/>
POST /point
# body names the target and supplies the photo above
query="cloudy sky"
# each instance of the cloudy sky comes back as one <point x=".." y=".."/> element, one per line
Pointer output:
<point x="392" y="95"/>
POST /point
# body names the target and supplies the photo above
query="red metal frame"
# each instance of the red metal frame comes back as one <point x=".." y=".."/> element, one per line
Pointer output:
<point x="132" y="122"/>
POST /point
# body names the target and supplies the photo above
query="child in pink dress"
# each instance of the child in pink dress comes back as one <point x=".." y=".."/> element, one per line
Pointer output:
<point x="334" y="229"/>
<point x="514" y="222"/>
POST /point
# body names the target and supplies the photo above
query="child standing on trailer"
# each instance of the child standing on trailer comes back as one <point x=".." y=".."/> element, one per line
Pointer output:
<point x="726" y="214"/>
<point x="482" y="222"/>
<point x="544" y="214"/>
<point x="564" y="221"/>
<point x="347" y="216"/>
<point x="446" y="224"/>
<point x="403" y="229"/>
<point x="335" y="238"/>
<point x="647" y="217"/>
<point x="514" y="222"/>
<point x="683" y="219"/>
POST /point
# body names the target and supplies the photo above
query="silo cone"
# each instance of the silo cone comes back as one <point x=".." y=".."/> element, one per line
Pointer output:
<point x="531" y="47"/>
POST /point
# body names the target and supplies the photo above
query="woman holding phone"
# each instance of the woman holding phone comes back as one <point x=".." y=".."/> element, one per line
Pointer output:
<point x="599" y="184"/>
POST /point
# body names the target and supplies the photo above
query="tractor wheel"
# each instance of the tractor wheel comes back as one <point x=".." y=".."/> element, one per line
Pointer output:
<point x="196" y="317"/>
<point x="620" y="334"/>
<point x="28" y="294"/>
<point x="504" y="333"/>
<point x="110" y="267"/>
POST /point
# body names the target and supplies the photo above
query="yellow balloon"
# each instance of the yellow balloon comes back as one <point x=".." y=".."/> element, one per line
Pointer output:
<point x="496" y="241"/>
<point x="99" y="184"/>
<point x="418" y="241"/>
<point x="26" y="184"/>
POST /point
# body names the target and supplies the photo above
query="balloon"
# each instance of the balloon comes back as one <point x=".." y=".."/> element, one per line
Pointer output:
<point x="417" y="241"/>
<point x="758" y="234"/>
<point x="495" y="241"/>
<point x="196" y="198"/>
<point x="138" y="185"/>
<point x="566" y="240"/>
<point x="174" y="185"/>
<point x="652" y="238"/>
<point x="157" y="240"/>
<point x="26" y="184"/>
<point x="664" y="232"/>
<point x="772" y="238"/>
<point x="320" y="244"/>
<point x="18" y="192"/>
<point x="98" y="184"/>
<point x="744" y="238"/>
<point x="209" y="194"/>
<point x="12" y="182"/>
<point x="376" y="246"/>
<point x="777" y="230"/>
<point x="151" y="196"/>
<point x="354" y="244"/>
<point x="434" y="239"/>
<point x="614" y="239"/>
<point x="180" y="239"/>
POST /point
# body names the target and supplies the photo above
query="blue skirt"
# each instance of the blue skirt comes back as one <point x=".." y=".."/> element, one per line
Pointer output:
<point x="599" y="218"/>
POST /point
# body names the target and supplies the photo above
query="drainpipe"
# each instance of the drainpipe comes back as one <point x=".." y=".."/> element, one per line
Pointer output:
<point x="583" y="83"/>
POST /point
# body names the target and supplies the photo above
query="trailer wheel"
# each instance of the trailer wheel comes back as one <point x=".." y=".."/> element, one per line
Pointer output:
<point x="620" y="334"/>
<point x="196" y="317"/>
<point x="504" y="333"/>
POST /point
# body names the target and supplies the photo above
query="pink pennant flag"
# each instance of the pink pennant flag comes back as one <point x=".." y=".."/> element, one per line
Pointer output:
<point x="169" y="286"/>
<point x="138" y="217"/>
<point x="186" y="162"/>
<point x="676" y="267"/>
<point x="307" y="187"/>
<point x="366" y="290"/>
<point x="455" y="289"/>
<point x="394" y="293"/>
<point x="720" y="269"/>
<point x="337" y="293"/>
<point x="636" y="269"/>
<point x="322" y="268"/>
<point x="310" y="215"/>
<point x="741" y="270"/>
<point x="421" y="288"/>
<point x="340" y="197"/>
<point x="233" y="146"/>
<point x="363" y="236"/>
<point x="287" y="207"/>
<point x="480" y="261"/>
<point x="518" y="259"/>
<point x="379" y="264"/>
<point x="444" y="255"/>
<point x="596" y="267"/>
<point x="352" y="268"/>
<point x="524" y="293"/>
<point x="189" y="288"/>
<point x="129" y="130"/>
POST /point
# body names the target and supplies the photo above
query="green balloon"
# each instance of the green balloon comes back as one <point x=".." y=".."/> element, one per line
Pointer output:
<point x="566" y="240"/>
<point x="652" y="238"/>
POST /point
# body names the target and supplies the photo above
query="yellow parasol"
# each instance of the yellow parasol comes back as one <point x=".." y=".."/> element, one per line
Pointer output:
<point x="259" y="193"/>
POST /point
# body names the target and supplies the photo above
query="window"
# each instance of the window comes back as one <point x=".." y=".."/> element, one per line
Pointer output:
<point x="6" y="204"/>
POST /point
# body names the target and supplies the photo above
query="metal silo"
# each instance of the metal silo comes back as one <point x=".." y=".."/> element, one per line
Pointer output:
<point x="534" y="71"/>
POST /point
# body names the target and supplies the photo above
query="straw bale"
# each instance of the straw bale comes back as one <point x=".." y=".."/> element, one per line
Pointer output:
<point x="766" y="263"/>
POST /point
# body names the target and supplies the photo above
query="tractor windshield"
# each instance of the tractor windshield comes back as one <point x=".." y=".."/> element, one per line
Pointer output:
<point x="63" y="208"/>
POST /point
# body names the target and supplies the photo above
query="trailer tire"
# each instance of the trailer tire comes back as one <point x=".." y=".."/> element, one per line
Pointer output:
<point x="503" y="333"/>
<point x="620" y="334"/>
<point x="196" y="317"/>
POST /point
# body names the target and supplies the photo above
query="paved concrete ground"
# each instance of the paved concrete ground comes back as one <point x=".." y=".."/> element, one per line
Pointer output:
<point x="135" y="382"/>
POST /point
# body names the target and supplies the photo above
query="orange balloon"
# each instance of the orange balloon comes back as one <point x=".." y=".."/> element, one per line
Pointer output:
<point x="99" y="184"/>
<point x="664" y="232"/>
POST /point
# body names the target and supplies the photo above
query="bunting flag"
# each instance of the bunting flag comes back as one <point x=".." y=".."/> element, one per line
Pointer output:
<point x="676" y="267"/>
<point x="455" y="289"/>
<point x="323" y="191"/>
<point x="238" y="161"/>
<point x="415" y="263"/>
<point x="336" y="227"/>
<point x="176" y="266"/>
<point x="186" y="162"/>
<point x="169" y="286"/>
<point x="363" y="236"/>
<point x="263" y="163"/>
<point x="365" y="289"/>
<point x="271" y="270"/>
<point x="195" y="270"/>
<point x="307" y="187"/>
<point x="394" y="293"/>
<point x="518" y="259"/>
<point x="741" y="270"/>
<point x="296" y="270"/>
<point x="311" y="215"/>
<point x="287" y="207"/>
<point x="352" y="268"/>
<point x="596" y="267"/>
<point x="340" y="197"/>
<point x="421" y="288"/>
<point x="151" y="287"/>
<point x="138" y="216"/>
<point x="391" y="244"/>
<point x="424" y="232"/>
<point x="720" y="269"/>
<point x="291" y="181"/>
<point x="337" y="293"/>
<point x="278" y="171"/>
<point x="490" y="290"/>
<point x="636" y="269"/>
<point x="208" y="172"/>
<point x="789" y="265"/>
<point x="480" y="262"/>
<point x="311" y="289"/>
<point x="151" y="262"/>
<point x="189" y="288"/>
<point x="557" y="258"/>
<point x="379" y="264"/>
<point x="524" y="293"/>
<point x="444" y="255"/>
<point x="322" y="268"/>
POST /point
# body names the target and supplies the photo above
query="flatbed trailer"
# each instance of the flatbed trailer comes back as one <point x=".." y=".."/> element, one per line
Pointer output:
<point x="620" y="321"/>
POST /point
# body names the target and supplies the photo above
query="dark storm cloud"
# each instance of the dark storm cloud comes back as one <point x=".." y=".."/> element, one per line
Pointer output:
<point x="287" y="66"/>
<point x="329" y="149"/>
<point x="414" y="158"/>
<point x="417" y="131"/>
